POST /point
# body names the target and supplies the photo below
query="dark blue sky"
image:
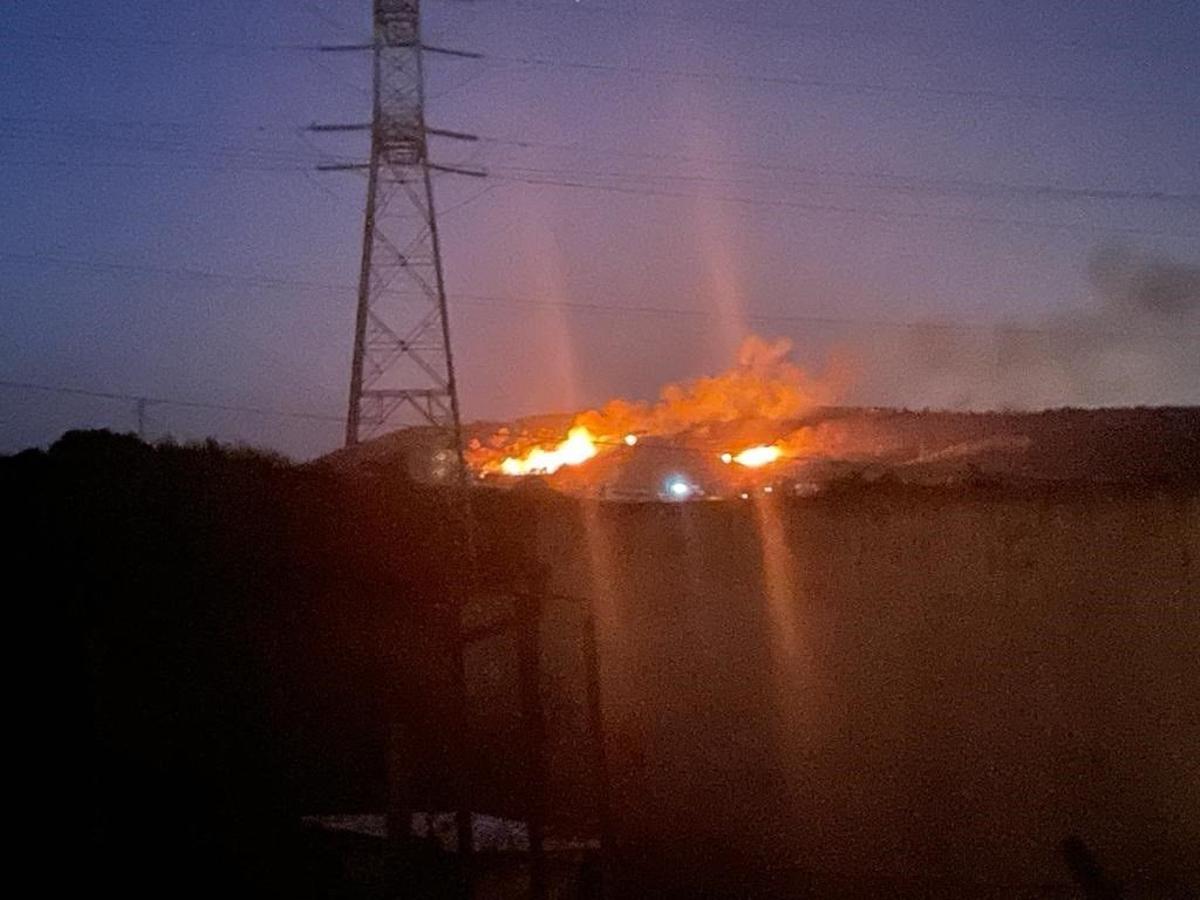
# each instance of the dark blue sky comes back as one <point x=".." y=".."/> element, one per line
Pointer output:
<point x="852" y="163"/>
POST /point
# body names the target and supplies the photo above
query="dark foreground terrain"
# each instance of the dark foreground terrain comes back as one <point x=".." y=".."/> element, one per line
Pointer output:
<point x="215" y="643"/>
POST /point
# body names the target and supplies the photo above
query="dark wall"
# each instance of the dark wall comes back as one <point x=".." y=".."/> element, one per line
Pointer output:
<point x="901" y="691"/>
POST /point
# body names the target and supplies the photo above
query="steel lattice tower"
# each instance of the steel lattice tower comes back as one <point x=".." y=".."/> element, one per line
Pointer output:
<point x="402" y="371"/>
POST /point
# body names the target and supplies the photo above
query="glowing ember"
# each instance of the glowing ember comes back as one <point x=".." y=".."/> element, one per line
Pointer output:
<point x="754" y="457"/>
<point x="578" y="448"/>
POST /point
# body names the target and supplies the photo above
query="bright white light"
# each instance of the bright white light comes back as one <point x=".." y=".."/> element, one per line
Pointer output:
<point x="631" y="439"/>
<point x="758" y="456"/>
<point x="679" y="489"/>
<point x="768" y="489"/>
<point x="727" y="458"/>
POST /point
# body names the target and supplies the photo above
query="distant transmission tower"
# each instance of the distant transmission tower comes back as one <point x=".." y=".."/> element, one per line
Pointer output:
<point x="402" y="370"/>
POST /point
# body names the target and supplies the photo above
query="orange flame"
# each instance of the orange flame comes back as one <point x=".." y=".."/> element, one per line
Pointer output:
<point x="578" y="448"/>
<point x="762" y="387"/>
<point x="763" y="384"/>
<point x="754" y="457"/>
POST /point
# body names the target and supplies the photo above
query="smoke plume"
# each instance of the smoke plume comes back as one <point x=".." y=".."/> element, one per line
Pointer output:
<point x="1138" y="344"/>
<point x="1145" y="287"/>
<point x="764" y="384"/>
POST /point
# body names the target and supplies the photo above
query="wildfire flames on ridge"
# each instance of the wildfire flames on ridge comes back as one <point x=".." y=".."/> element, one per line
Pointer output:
<point x="732" y="420"/>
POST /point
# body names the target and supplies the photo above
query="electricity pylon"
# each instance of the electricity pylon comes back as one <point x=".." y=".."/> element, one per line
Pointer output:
<point x="402" y="370"/>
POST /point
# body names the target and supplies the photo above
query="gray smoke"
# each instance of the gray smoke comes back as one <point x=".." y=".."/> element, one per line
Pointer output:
<point x="1144" y="286"/>
<point x="1138" y="344"/>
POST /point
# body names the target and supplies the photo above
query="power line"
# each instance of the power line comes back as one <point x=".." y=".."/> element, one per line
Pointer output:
<point x="17" y="37"/>
<point x="92" y="121"/>
<point x="934" y="325"/>
<point x="824" y="29"/>
<point x="856" y="211"/>
<point x="272" y="154"/>
<point x="868" y="88"/>
<point x="320" y="15"/>
<point x="791" y="81"/>
<point x="877" y="182"/>
<point x="149" y="167"/>
<point x="771" y="27"/>
<point x="71" y="139"/>
<point x="250" y="159"/>
<point x="185" y="271"/>
<point x="605" y="308"/>
<point x="234" y="157"/>
<point x="144" y="399"/>
<point x="242" y="157"/>
<point x="1042" y="189"/>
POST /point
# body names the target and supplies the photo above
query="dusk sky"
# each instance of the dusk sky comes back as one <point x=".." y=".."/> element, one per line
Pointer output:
<point x="665" y="177"/>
